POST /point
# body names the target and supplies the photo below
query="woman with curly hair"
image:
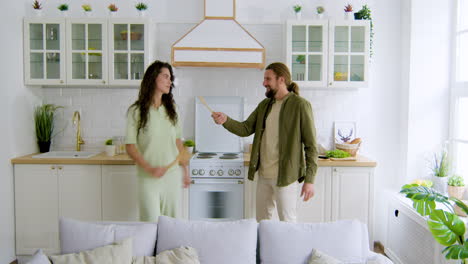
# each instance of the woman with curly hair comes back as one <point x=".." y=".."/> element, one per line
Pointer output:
<point x="153" y="141"/>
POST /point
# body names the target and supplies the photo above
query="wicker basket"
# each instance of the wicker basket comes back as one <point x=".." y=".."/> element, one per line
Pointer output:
<point x="350" y="148"/>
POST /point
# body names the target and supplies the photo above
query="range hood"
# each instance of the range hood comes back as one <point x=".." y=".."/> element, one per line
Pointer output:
<point x="218" y="41"/>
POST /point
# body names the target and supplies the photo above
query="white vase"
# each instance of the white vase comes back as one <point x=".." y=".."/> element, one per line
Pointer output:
<point x="298" y="15"/>
<point x="88" y="13"/>
<point x="349" y="16"/>
<point x="141" y="13"/>
<point x="320" y="16"/>
<point x="110" y="150"/>
<point x="112" y="13"/>
<point x="64" y="13"/>
<point x="37" y="12"/>
<point x="440" y="184"/>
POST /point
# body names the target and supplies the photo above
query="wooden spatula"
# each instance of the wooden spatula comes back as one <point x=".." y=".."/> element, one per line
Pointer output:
<point x="202" y="100"/>
<point x="183" y="156"/>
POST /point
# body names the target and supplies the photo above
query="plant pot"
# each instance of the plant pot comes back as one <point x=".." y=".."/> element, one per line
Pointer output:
<point x="110" y="150"/>
<point x="349" y="16"/>
<point x="189" y="149"/>
<point x="141" y="13"/>
<point x="43" y="146"/>
<point x="357" y="16"/>
<point x="456" y="191"/>
<point x="440" y="184"/>
<point x="320" y="16"/>
<point x="298" y="15"/>
<point x="37" y="12"/>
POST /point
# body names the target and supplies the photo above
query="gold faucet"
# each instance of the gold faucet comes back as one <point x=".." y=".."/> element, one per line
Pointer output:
<point x="77" y="121"/>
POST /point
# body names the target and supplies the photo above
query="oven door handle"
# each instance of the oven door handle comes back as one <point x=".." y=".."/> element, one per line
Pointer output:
<point x="217" y="182"/>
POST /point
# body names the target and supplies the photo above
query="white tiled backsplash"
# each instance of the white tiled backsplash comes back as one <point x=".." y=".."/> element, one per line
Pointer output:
<point x="103" y="110"/>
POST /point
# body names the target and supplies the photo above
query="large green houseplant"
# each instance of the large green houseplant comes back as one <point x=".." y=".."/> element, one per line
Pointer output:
<point x="446" y="227"/>
<point x="44" y="124"/>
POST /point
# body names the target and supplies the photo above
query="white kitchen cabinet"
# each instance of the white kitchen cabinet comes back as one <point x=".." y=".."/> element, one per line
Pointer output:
<point x="43" y="193"/>
<point x="328" y="53"/>
<point x="44" y="51"/>
<point x="317" y="209"/>
<point x="85" y="51"/>
<point x="128" y="40"/>
<point x="119" y="193"/>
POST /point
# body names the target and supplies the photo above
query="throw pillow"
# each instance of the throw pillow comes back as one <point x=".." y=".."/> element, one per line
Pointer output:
<point x="39" y="258"/>
<point x="319" y="257"/>
<point x="181" y="255"/>
<point x="77" y="236"/>
<point x="117" y="253"/>
<point x="143" y="236"/>
<point x="215" y="242"/>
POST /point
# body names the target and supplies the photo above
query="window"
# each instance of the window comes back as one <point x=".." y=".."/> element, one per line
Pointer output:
<point x="459" y="93"/>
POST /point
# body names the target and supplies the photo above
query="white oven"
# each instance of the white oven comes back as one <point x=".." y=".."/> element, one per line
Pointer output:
<point x="216" y="199"/>
<point x="217" y="169"/>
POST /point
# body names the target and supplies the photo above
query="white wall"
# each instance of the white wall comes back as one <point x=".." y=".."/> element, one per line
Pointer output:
<point x="17" y="131"/>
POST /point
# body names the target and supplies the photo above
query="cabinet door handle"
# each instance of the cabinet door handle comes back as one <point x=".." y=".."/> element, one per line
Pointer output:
<point x="52" y="167"/>
<point x="103" y="81"/>
<point x="61" y="81"/>
<point x="331" y="83"/>
<point x="192" y="181"/>
<point x="59" y="167"/>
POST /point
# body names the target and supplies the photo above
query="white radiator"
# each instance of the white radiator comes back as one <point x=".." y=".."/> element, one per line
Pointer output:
<point x="409" y="241"/>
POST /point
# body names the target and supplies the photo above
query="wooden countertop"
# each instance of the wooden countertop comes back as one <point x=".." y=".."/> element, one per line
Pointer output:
<point x="124" y="159"/>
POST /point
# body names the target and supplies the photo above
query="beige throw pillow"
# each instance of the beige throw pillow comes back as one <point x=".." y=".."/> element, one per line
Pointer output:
<point x="181" y="255"/>
<point x="319" y="257"/>
<point x="116" y="253"/>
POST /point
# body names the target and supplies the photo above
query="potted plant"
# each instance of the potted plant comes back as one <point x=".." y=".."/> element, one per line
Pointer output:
<point x="37" y="7"/>
<point x="141" y="7"/>
<point x="348" y="12"/>
<point x="87" y="9"/>
<point x="456" y="186"/>
<point x="297" y="9"/>
<point x="189" y="145"/>
<point x="300" y="59"/>
<point x="112" y="9"/>
<point x="110" y="147"/>
<point x="446" y="227"/>
<point x="44" y="125"/>
<point x="320" y="10"/>
<point x="63" y="9"/>
<point x="440" y="171"/>
<point x="365" y="14"/>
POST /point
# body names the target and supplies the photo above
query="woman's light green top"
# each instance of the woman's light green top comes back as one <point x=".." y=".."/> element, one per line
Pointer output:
<point x="157" y="141"/>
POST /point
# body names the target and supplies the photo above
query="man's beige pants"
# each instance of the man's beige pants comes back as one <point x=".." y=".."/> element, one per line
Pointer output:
<point x="270" y="196"/>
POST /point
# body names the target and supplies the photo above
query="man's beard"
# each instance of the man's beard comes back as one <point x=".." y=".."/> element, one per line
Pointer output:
<point x="270" y="93"/>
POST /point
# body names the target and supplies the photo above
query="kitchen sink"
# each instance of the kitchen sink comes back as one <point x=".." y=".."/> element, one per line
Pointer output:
<point x="66" y="155"/>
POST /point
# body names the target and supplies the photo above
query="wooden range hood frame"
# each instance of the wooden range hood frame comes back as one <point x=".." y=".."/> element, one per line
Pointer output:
<point x="218" y="13"/>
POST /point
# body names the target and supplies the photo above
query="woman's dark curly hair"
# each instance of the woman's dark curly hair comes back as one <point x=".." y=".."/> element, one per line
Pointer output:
<point x="147" y="91"/>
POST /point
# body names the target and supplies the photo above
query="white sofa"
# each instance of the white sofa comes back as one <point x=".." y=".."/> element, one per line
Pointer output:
<point x="236" y="242"/>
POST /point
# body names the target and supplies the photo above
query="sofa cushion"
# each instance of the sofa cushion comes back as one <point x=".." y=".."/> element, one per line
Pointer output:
<point x="282" y="242"/>
<point x="143" y="234"/>
<point x="77" y="236"/>
<point x="118" y="253"/>
<point x="318" y="257"/>
<point x="181" y="255"/>
<point x="215" y="242"/>
<point x="39" y="258"/>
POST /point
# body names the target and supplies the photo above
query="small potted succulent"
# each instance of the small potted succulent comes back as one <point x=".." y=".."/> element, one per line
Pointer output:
<point x="300" y="59"/>
<point x="63" y="8"/>
<point x="349" y="12"/>
<point x="141" y="8"/>
<point x="37" y="7"/>
<point x="297" y="9"/>
<point x="320" y="10"/>
<point x="456" y="186"/>
<point x="87" y="9"/>
<point x="110" y="148"/>
<point x="440" y="167"/>
<point x="112" y="9"/>
<point x="189" y="145"/>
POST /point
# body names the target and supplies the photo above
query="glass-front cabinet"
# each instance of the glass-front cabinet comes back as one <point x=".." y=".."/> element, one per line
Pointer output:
<point x="349" y="54"/>
<point x="323" y="53"/>
<point x="128" y="42"/>
<point x="86" y="51"/>
<point x="44" y="51"/>
<point x="307" y="52"/>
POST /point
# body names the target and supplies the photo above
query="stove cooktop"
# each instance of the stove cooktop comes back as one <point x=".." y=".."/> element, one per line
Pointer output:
<point x="217" y="156"/>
